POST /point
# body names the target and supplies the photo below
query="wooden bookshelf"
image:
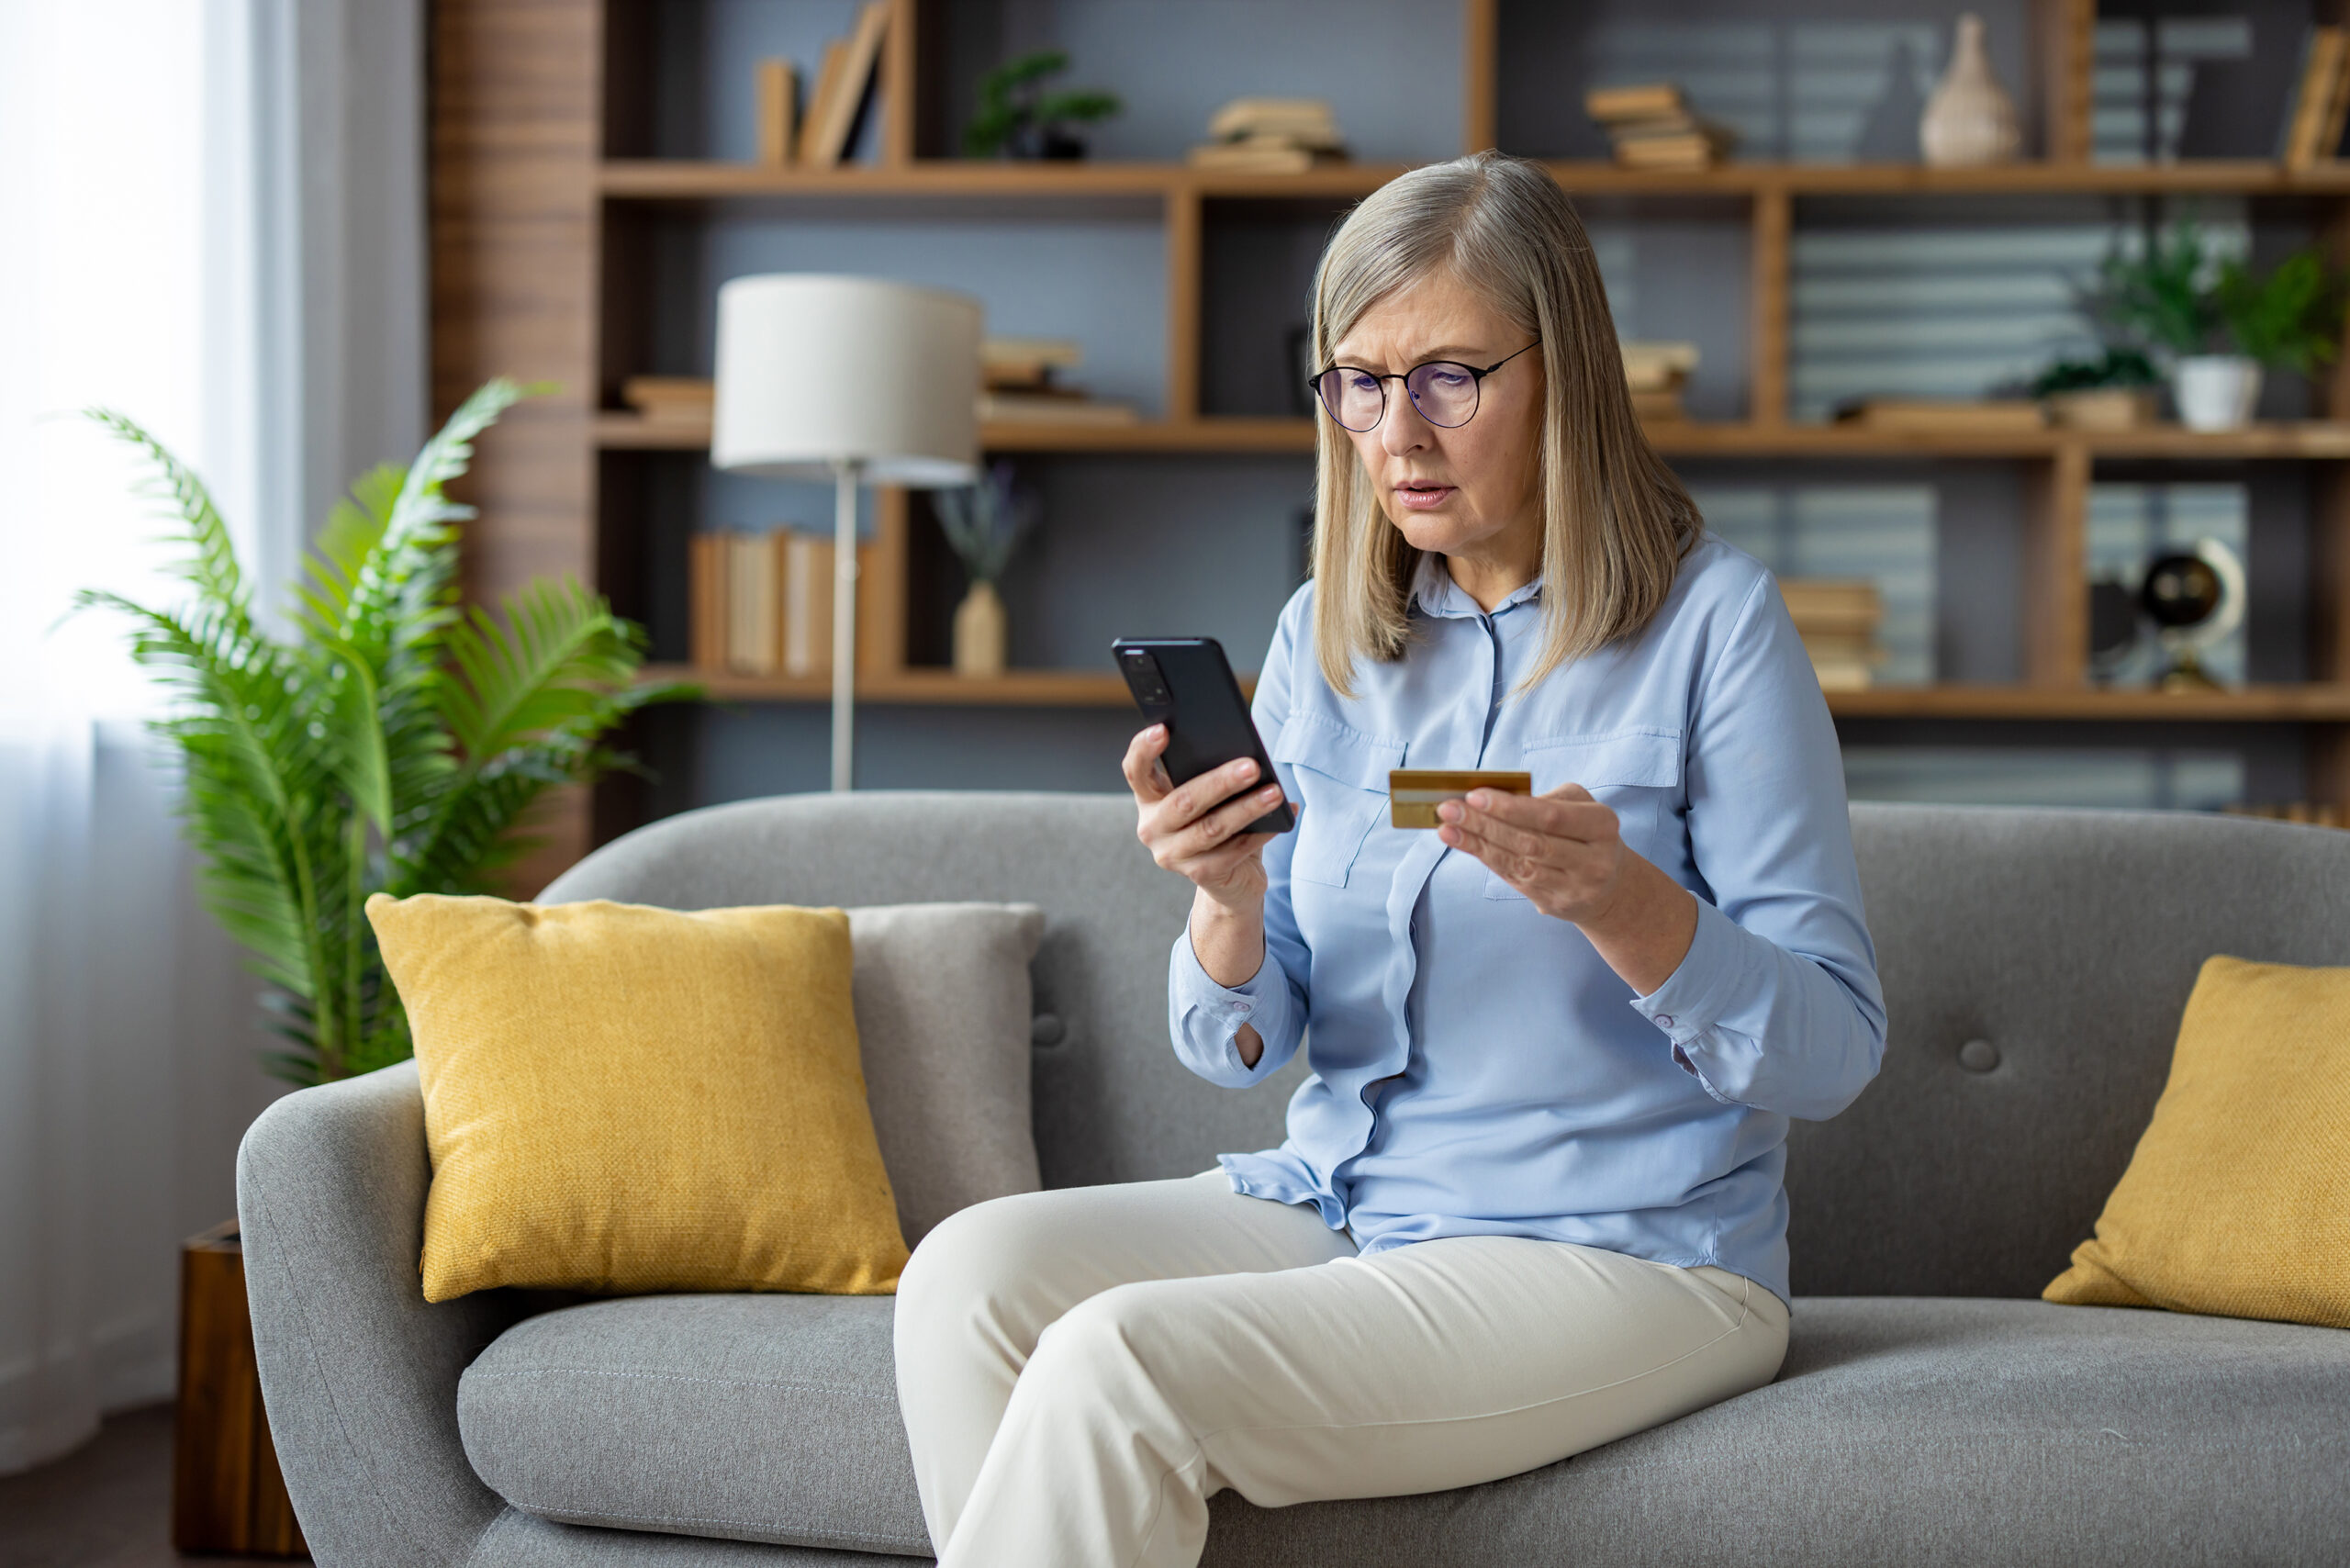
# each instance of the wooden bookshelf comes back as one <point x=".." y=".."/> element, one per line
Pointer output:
<point x="539" y="212"/>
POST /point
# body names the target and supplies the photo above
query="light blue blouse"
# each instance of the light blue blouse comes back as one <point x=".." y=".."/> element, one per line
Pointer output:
<point x="1477" y="1069"/>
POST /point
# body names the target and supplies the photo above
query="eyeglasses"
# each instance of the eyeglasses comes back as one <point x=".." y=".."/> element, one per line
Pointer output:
<point x="1445" y="393"/>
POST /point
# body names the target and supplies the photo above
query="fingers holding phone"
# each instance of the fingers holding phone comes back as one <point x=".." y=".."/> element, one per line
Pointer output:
<point x="1198" y="828"/>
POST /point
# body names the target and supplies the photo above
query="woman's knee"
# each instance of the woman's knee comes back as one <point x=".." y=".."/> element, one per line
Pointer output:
<point x="980" y="1255"/>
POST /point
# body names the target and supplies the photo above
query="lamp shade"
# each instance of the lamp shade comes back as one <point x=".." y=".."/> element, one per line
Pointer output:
<point x="815" y="370"/>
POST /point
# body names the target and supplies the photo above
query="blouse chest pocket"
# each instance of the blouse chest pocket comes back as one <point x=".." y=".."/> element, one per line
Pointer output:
<point x="1342" y="778"/>
<point x="1634" y="773"/>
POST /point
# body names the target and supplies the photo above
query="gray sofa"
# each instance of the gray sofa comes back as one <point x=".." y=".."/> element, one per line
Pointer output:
<point x="1931" y="1409"/>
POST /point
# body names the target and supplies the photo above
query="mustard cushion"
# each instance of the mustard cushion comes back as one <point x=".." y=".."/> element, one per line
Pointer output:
<point x="2237" y="1201"/>
<point x="623" y="1099"/>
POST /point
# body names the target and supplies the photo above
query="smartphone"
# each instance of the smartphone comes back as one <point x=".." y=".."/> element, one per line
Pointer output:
<point x="1186" y="684"/>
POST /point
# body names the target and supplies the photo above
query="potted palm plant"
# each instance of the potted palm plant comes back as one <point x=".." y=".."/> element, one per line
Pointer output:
<point x="2218" y="323"/>
<point x="2290" y="320"/>
<point x="391" y="741"/>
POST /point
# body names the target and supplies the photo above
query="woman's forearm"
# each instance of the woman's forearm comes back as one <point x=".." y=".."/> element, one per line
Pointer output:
<point x="1230" y="946"/>
<point x="1645" y="930"/>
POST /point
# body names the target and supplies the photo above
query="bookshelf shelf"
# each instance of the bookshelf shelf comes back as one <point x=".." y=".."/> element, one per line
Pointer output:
<point x="2324" y="704"/>
<point x="2304" y="441"/>
<point x="682" y="180"/>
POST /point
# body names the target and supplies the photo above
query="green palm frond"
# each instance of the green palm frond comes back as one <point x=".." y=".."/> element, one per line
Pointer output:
<point x="392" y="743"/>
<point x="210" y="565"/>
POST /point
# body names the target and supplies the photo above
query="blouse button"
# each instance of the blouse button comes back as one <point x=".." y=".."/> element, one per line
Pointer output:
<point x="1664" y="1020"/>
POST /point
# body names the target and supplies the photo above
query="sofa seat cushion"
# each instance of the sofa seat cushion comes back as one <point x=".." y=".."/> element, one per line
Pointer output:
<point x="1911" y="1432"/>
<point x="1922" y="1432"/>
<point x="750" y="1417"/>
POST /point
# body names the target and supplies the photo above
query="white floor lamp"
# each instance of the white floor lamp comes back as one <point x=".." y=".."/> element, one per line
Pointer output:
<point x="855" y="380"/>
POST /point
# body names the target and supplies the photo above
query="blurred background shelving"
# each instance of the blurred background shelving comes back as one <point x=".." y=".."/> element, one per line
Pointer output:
<point x="1822" y="260"/>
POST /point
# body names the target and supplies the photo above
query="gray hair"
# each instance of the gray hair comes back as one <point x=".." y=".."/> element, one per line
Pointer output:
<point x="1615" y="521"/>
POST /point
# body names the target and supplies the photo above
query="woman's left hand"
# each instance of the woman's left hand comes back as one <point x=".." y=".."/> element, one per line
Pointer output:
<point x="1564" y="852"/>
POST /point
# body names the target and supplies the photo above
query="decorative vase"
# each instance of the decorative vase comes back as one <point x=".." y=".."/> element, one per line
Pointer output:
<point x="979" y="632"/>
<point x="1969" y="120"/>
<point x="2215" y="391"/>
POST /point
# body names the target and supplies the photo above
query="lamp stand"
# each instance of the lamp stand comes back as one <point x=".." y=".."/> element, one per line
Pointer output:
<point x="846" y="472"/>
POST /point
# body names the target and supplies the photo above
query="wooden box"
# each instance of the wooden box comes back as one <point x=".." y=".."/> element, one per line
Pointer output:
<point x="226" y="1494"/>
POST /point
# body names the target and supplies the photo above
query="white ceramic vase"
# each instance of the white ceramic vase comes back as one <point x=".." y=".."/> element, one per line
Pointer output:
<point x="1969" y="120"/>
<point x="2216" y="391"/>
<point x="979" y="632"/>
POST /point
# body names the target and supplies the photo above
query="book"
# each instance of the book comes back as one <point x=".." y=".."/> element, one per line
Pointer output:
<point x="1842" y="675"/>
<point x="2321" y="64"/>
<point x="1646" y="100"/>
<point x="1700" y="147"/>
<point x="1308" y="119"/>
<point x="1662" y="404"/>
<point x="1026" y="364"/>
<point x="778" y="108"/>
<point x="807" y="605"/>
<point x="666" y="399"/>
<point x="705" y="601"/>
<point x="2337" y="108"/>
<point x="1258" y="158"/>
<point x="829" y="127"/>
<point x="1833" y="607"/>
<point x="751" y="603"/>
<point x="1932" y="416"/>
<point x="820" y="102"/>
<point x="1017" y="408"/>
<point x="1657" y="367"/>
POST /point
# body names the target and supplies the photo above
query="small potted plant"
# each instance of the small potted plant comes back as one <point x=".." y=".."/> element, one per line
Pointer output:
<point x="2290" y="320"/>
<point x="2218" y="323"/>
<point x="1018" y="119"/>
<point x="2158" y="301"/>
<point x="983" y="524"/>
<point x="2114" y="391"/>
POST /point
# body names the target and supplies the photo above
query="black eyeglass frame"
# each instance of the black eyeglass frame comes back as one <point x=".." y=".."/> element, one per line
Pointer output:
<point x="1314" y="385"/>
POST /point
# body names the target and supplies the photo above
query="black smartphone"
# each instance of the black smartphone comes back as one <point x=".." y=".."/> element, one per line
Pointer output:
<point x="1186" y="684"/>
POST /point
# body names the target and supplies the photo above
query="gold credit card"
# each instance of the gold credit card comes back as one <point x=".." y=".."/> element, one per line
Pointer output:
<point x="1414" y="793"/>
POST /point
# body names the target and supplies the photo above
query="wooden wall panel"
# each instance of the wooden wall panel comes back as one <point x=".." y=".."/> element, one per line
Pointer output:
<point x="516" y="132"/>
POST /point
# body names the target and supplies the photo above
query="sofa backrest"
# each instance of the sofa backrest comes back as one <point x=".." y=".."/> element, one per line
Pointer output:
<point x="2066" y="942"/>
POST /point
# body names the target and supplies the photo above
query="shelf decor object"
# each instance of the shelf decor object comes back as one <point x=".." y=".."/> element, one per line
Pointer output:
<point x="853" y="379"/>
<point x="1970" y="121"/>
<point x="983" y="526"/>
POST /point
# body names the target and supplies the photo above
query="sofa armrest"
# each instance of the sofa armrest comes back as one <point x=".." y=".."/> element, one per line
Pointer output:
<point x="358" y="1372"/>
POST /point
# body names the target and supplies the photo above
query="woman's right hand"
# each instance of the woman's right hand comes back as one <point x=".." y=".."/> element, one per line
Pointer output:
<point x="1189" y="833"/>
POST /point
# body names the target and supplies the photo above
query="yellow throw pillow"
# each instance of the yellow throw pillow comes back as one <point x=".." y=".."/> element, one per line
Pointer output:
<point x="624" y="1099"/>
<point x="2237" y="1201"/>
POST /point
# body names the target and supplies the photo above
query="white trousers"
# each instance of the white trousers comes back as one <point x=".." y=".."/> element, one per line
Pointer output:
<point x="1081" y="1370"/>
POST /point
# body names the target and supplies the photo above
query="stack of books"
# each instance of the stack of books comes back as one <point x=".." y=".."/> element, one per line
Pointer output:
<point x="1021" y="379"/>
<point x="1651" y="127"/>
<point x="1945" y="416"/>
<point x="1271" y="136"/>
<point x="670" y="399"/>
<point x="762" y="603"/>
<point x="1838" y="620"/>
<point x="1656" y="372"/>
<point x="843" y="85"/>
<point x="2314" y="116"/>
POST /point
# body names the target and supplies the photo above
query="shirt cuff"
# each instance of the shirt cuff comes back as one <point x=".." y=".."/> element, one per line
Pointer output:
<point x="1260" y="1000"/>
<point x="1694" y="995"/>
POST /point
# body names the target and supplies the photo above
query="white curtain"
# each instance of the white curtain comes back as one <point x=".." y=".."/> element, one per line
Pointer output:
<point x="211" y="219"/>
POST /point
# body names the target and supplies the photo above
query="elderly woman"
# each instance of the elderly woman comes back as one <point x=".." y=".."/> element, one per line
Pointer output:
<point x="1530" y="1200"/>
